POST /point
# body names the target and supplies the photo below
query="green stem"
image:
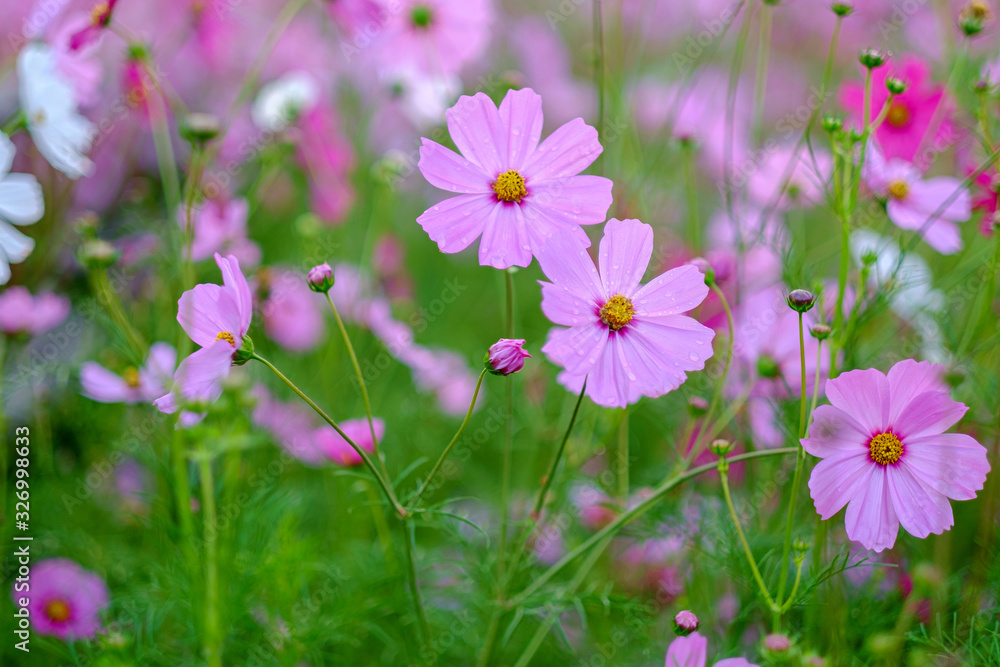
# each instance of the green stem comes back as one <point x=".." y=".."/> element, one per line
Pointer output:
<point x="386" y="489"/>
<point x="598" y="17"/>
<point x="815" y="398"/>
<point x="508" y="443"/>
<point x="410" y="543"/>
<point x="637" y="511"/>
<point x="691" y="194"/>
<point x="763" y="57"/>
<point x="622" y="475"/>
<point x="211" y="646"/>
<point x="795" y="587"/>
<point x="982" y="314"/>
<point x="447" y="450"/>
<point x="730" y="118"/>
<point x="547" y="483"/>
<point x="802" y="363"/>
<point x="723" y="467"/>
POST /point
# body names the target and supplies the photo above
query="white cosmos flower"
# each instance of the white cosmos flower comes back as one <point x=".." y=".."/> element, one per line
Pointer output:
<point x="48" y="101"/>
<point x="279" y="102"/>
<point x="21" y="204"/>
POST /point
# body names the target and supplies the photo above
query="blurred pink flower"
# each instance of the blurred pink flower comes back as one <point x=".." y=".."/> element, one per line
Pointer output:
<point x="290" y="424"/>
<point x="73" y="43"/>
<point x="438" y="36"/>
<point x="134" y="385"/>
<point x="596" y="508"/>
<point x="629" y="339"/>
<point x="216" y="318"/>
<point x="986" y="193"/>
<point x="885" y="454"/>
<point x="692" y="651"/>
<point x="513" y="191"/>
<point x="22" y="313"/>
<point x="914" y="120"/>
<point x="335" y="447"/>
<point x="292" y="312"/>
<point x="220" y="226"/>
<point x="806" y="174"/>
<point x="65" y="600"/>
<point x="912" y="200"/>
<point x="327" y="156"/>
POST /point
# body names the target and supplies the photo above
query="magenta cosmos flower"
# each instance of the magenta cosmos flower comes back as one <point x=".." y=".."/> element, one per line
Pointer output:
<point x="692" y="650"/>
<point x="134" y="385"/>
<point x="335" y="446"/>
<point x="216" y="318"/>
<point x="630" y="340"/>
<point x="513" y="191"/>
<point x="886" y="455"/>
<point x="65" y="600"/>
<point x="913" y="201"/>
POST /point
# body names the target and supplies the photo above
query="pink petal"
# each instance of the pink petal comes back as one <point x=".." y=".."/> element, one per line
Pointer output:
<point x="446" y="169"/>
<point x="200" y="376"/>
<point x="544" y="223"/>
<point x="609" y="384"/>
<point x="100" y="384"/>
<point x="674" y="292"/>
<point x="864" y="395"/>
<point x="834" y="432"/>
<point x="687" y="651"/>
<point x="929" y="413"/>
<point x="953" y="464"/>
<point x="837" y="480"/>
<point x="577" y="200"/>
<point x="565" y="306"/>
<point x="870" y="518"/>
<point x="625" y="251"/>
<point x="236" y="284"/>
<point x="565" y="261"/>
<point x="943" y="236"/>
<point x="645" y="351"/>
<point x="521" y="114"/>
<point x="680" y="343"/>
<point x="934" y="192"/>
<point x="921" y="511"/>
<point x="908" y="379"/>
<point x="455" y="223"/>
<point x="577" y="349"/>
<point x="505" y="239"/>
<point x="476" y="129"/>
<point x="205" y="311"/>
<point x="566" y="152"/>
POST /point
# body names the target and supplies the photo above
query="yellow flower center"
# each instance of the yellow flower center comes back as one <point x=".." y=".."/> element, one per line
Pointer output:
<point x="898" y="115"/>
<point x="509" y="186"/>
<point x="99" y="14"/>
<point x="131" y="377"/>
<point x="617" y="312"/>
<point x="898" y="189"/>
<point x="226" y="336"/>
<point x="885" y="448"/>
<point x="57" y="611"/>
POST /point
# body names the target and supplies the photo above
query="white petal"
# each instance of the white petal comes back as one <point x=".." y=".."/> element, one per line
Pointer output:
<point x="16" y="246"/>
<point x="7" y="150"/>
<point x="21" y="199"/>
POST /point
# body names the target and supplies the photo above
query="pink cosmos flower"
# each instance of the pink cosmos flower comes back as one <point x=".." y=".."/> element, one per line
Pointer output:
<point x="216" y="318"/>
<point x="807" y="177"/>
<point x="220" y="225"/>
<point x="912" y="200"/>
<point x="438" y="36"/>
<point x="691" y="651"/>
<point x="22" y="313"/>
<point x="913" y="118"/>
<point x="328" y="157"/>
<point x="514" y="192"/>
<point x="630" y="340"/>
<point x="886" y="455"/>
<point x="134" y="385"/>
<point x="335" y="447"/>
<point x="65" y="600"/>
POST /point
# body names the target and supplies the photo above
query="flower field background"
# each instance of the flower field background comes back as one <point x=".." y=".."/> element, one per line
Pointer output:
<point x="468" y="332"/>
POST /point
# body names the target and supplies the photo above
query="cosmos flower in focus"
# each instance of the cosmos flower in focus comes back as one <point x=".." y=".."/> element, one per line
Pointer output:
<point x="886" y="455"/>
<point x="513" y="192"/>
<point x="21" y="203"/>
<point x="134" y="385"/>
<point x="65" y="600"/>
<point x="217" y="318"/>
<point x="912" y="200"/>
<point x="631" y="340"/>
<point x="49" y="105"/>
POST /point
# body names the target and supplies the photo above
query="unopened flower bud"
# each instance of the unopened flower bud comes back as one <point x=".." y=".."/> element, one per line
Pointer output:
<point x="842" y="8"/>
<point x="506" y="356"/>
<point x="833" y="123"/>
<point x="801" y="300"/>
<point x="702" y="265"/>
<point x="320" y="278"/>
<point x="98" y="254"/>
<point x="721" y="447"/>
<point x="974" y="17"/>
<point x="872" y="58"/>
<point x="199" y="128"/>
<point x="895" y="85"/>
<point x="767" y="367"/>
<point x="777" y="643"/>
<point x="685" y="622"/>
<point x="86" y="224"/>
<point x="820" y="331"/>
<point x="697" y="406"/>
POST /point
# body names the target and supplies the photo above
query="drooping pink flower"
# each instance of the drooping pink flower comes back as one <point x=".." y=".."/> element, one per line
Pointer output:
<point x="913" y="200"/>
<point x="65" y="600"/>
<point x="292" y="312"/>
<point x="886" y="455"/>
<point x="216" y="318"/>
<point x="913" y="122"/>
<point x="220" y="226"/>
<point x="134" y="385"/>
<point x="335" y="447"/>
<point x="692" y="651"/>
<point x="438" y="36"/>
<point x="513" y="191"/>
<point x="22" y="313"/>
<point x="629" y="339"/>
